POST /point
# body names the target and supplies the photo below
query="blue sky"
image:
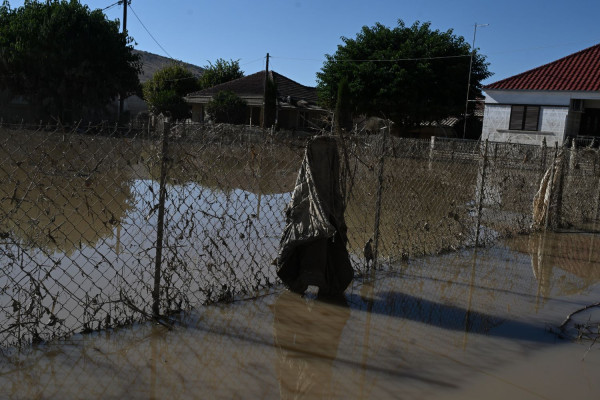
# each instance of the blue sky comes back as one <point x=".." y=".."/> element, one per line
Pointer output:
<point x="298" y="33"/>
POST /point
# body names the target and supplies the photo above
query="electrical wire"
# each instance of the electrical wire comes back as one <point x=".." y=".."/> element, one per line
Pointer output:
<point x="253" y="61"/>
<point x="152" y="36"/>
<point x="379" y="60"/>
<point x="112" y="5"/>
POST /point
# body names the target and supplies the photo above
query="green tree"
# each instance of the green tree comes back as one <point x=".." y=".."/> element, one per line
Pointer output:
<point x="220" y="72"/>
<point x="227" y="107"/>
<point x="165" y="91"/>
<point x="407" y="74"/>
<point x="343" y="108"/>
<point x="63" y="57"/>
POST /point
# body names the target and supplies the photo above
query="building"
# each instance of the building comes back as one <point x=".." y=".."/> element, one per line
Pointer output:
<point x="296" y="104"/>
<point x="554" y="101"/>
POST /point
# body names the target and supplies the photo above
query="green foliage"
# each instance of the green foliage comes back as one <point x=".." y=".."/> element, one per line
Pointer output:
<point x="227" y="107"/>
<point x="269" y="111"/>
<point x="63" y="57"/>
<point x="343" y="108"/>
<point x="407" y="74"/>
<point x="220" y="72"/>
<point x="165" y="91"/>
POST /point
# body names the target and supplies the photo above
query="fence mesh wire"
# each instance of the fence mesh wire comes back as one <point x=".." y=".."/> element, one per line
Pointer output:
<point x="85" y="212"/>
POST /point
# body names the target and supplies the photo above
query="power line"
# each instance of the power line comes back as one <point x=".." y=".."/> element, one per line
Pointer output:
<point x="253" y="61"/>
<point x="153" y="38"/>
<point x="379" y="60"/>
<point x="112" y="5"/>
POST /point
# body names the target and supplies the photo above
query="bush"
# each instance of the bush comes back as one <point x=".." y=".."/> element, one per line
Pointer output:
<point x="227" y="107"/>
<point x="165" y="91"/>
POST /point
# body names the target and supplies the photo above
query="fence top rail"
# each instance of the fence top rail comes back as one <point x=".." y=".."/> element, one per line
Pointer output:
<point x="451" y="139"/>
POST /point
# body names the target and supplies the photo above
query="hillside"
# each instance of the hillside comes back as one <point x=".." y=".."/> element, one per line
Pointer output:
<point x="153" y="62"/>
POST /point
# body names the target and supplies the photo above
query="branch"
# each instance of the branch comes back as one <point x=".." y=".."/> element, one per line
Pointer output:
<point x="130" y="304"/>
<point x="562" y="326"/>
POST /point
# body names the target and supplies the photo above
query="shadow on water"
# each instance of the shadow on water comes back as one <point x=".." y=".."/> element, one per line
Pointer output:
<point x="447" y="316"/>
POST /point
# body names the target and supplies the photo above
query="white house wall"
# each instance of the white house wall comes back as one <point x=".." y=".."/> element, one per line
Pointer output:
<point x="552" y="126"/>
<point x="554" y="114"/>
<point x="495" y="120"/>
<point x="553" y="120"/>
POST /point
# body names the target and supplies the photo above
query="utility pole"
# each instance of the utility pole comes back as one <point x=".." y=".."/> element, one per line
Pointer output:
<point x="264" y="110"/>
<point x="469" y="79"/>
<point x="266" y="78"/>
<point x="125" y="4"/>
<point x="121" y="96"/>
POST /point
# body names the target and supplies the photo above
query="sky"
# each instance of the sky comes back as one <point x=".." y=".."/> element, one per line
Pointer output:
<point x="520" y="34"/>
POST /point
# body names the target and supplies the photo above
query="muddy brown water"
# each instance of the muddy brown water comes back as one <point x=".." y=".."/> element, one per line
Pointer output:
<point x="463" y="325"/>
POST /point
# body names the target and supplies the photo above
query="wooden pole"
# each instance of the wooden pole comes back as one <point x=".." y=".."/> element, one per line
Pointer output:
<point x="121" y="95"/>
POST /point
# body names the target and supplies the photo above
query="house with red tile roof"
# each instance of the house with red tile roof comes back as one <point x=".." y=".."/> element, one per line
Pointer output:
<point x="554" y="101"/>
<point x="297" y="106"/>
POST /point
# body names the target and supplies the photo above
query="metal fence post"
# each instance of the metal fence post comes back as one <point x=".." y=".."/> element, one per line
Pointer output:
<point x="481" y="192"/>
<point x="161" y="215"/>
<point x="573" y="155"/>
<point x="560" y="188"/>
<point x="431" y="150"/>
<point x="597" y="199"/>
<point x="550" y="186"/>
<point x="544" y="155"/>
<point x="379" y="196"/>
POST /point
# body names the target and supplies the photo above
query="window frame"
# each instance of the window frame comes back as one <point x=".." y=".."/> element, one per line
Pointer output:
<point x="522" y="120"/>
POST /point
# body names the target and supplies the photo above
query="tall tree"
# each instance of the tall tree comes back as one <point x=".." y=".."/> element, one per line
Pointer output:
<point x="64" y="57"/>
<point x="269" y="111"/>
<point x="220" y="72"/>
<point x="343" y="108"/>
<point x="407" y="74"/>
<point x="165" y="91"/>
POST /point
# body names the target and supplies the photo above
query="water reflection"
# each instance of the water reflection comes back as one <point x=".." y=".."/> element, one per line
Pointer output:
<point x="562" y="263"/>
<point x="307" y="334"/>
<point x="59" y="196"/>
<point x="251" y="168"/>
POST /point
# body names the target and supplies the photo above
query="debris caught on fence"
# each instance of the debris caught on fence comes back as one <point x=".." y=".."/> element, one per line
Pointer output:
<point x="313" y="244"/>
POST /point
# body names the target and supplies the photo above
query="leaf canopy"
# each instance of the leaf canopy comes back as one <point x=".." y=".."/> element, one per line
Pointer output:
<point x="165" y="91"/>
<point x="407" y="74"/>
<point x="64" y="57"/>
<point x="220" y="72"/>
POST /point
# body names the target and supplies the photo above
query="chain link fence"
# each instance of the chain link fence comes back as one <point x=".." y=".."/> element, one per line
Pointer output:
<point x="101" y="226"/>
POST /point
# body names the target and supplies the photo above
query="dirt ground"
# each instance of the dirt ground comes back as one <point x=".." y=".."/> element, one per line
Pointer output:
<point x="472" y="324"/>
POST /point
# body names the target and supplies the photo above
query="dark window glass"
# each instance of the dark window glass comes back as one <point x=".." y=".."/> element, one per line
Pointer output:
<point x="524" y="118"/>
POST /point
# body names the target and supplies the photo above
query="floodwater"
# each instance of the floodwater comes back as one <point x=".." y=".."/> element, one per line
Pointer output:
<point x="463" y="325"/>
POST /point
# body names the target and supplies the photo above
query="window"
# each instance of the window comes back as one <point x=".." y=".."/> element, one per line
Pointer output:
<point x="524" y="118"/>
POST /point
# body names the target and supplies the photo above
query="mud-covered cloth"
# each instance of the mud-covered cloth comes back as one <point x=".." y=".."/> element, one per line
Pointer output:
<point x="545" y="200"/>
<point x="313" y="244"/>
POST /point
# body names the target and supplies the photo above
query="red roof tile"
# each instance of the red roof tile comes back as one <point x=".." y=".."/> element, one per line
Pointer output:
<point x="579" y="71"/>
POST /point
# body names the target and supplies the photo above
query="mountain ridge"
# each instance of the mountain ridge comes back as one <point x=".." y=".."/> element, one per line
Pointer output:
<point x="153" y="62"/>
